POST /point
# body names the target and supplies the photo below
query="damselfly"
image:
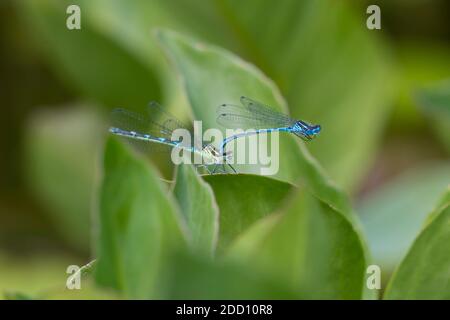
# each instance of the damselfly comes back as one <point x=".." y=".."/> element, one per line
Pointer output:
<point x="149" y="135"/>
<point x="261" y="118"/>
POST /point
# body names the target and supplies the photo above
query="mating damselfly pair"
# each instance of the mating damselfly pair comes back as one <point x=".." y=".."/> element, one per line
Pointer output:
<point x="155" y="131"/>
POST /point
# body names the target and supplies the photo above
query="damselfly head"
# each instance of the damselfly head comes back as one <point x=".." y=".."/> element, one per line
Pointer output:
<point x="305" y="130"/>
<point x="313" y="130"/>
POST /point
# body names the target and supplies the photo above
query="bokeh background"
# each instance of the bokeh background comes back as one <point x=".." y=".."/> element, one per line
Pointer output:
<point x="382" y="97"/>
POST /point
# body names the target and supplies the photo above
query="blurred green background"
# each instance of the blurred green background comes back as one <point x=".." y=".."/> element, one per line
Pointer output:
<point x="382" y="97"/>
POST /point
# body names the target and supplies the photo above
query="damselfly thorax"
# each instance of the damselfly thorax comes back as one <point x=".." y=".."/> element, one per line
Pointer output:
<point x="213" y="155"/>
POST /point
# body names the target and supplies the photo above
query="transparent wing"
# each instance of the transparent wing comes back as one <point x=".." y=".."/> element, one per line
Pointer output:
<point x="134" y="122"/>
<point x="266" y="111"/>
<point x="131" y="121"/>
<point x="166" y="120"/>
<point x="232" y="116"/>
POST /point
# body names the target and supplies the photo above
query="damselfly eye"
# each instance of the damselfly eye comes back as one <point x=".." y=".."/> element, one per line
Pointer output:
<point x="315" y="129"/>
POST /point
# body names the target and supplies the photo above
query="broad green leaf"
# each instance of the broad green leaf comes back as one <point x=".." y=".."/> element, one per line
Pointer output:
<point x="243" y="200"/>
<point x="139" y="225"/>
<point x="425" y="271"/>
<point x="393" y="215"/>
<point x="309" y="246"/>
<point x="97" y="64"/>
<point x="196" y="278"/>
<point x="436" y="103"/>
<point x="198" y="205"/>
<point x="61" y="149"/>
<point x="212" y="76"/>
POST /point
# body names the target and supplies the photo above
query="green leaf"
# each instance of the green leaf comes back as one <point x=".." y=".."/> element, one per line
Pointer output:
<point x="60" y="158"/>
<point x="196" y="278"/>
<point x="309" y="246"/>
<point x="393" y="215"/>
<point x="243" y="200"/>
<point x="213" y="76"/>
<point x="139" y="225"/>
<point x="96" y="63"/>
<point x="435" y="102"/>
<point x="196" y="201"/>
<point x="425" y="271"/>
